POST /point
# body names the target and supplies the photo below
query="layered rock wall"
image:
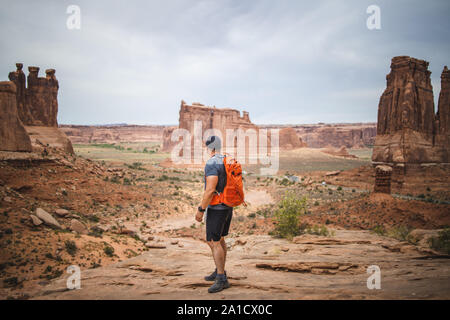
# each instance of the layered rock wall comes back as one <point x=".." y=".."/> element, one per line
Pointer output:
<point x="336" y="135"/>
<point x="113" y="133"/>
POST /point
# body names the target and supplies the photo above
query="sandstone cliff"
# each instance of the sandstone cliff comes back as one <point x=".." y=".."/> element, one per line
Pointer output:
<point x="113" y="133"/>
<point x="408" y="131"/>
<point x="335" y="135"/>
<point x="13" y="136"/>
<point x="208" y="118"/>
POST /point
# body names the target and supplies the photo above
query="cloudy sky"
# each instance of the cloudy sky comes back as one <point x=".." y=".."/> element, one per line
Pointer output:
<point x="283" y="61"/>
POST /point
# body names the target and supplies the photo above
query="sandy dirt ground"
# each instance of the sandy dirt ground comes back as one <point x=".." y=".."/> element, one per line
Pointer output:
<point x="139" y="239"/>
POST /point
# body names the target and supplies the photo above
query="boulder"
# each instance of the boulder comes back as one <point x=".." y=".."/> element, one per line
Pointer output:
<point x="36" y="220"/>
<point x="421" y="237"/>
<point x="47" y="218"/>
<point x="62" y="212"/>
<point x="78" y="227"/>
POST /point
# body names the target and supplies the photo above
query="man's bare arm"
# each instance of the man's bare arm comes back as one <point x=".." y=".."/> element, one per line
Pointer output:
<point x="211" y="183"/>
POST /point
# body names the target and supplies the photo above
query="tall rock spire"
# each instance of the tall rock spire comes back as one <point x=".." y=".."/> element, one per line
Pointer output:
<point x="408" y="131"/>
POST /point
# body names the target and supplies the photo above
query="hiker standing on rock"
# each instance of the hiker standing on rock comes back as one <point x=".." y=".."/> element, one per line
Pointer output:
<point x="223" y="191"/>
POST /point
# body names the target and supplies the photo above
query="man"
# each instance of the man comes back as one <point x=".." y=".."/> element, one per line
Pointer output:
<point x="218" y="217"/>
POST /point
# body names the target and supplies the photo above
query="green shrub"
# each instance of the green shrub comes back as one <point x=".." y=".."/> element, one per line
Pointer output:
<point x="290" y="208"/>
<point x="318" y="230"/>
<point x="93" y="218"/>
<point x="10" y="282"/>
<point x="71" y="247"/>
<point x="109" y="251"/>
<point x="400" y="233"/>
<point x="115" y="179"/>
<point x="379" y="229"/>
<point x="442" y="241"/>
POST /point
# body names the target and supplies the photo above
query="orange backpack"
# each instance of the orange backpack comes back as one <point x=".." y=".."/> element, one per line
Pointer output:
<point x="233" y="193"/>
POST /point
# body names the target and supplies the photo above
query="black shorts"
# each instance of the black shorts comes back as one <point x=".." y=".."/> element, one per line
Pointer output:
<point x="218" y="223"/>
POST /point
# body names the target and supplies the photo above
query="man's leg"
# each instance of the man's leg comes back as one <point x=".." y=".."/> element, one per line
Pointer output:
<point x="221" y="281"/>
<point x="218" y="255"/>
<point x="224" y="247"/>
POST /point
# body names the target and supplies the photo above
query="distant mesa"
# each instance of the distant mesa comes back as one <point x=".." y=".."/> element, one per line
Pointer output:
<point x="223" y="119"/>
<point x="30" y="105"/>
<point x="209" y="118"/>
<point x="409" y="133"/>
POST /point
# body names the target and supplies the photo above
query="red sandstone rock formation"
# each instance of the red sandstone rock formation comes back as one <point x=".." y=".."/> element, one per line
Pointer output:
<point x="13" y="136"/>
<point x="37" y="104"/>
<point x="383" y="179"/>
<point x="37" y="108"/>
<point x="349" y="135"/>
<point x="442" y="137"/>
<point x="210" y="118"/>
<point x="342" y="152"/>
<point x="408" y="131"/>
<point x="113" y="133"/>
<point x="290" y="140"/>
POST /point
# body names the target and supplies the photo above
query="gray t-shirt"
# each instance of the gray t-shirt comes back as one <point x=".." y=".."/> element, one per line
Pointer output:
<point x="214" y="167"/>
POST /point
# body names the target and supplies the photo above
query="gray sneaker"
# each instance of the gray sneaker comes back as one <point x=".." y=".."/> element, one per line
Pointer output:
<point x="213" y="276"/>
<point x="219" y="284"/>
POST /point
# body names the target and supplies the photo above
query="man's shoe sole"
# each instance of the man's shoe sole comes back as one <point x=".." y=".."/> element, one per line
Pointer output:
<point x="209" y="279"/>
<point x="226" y="286"/>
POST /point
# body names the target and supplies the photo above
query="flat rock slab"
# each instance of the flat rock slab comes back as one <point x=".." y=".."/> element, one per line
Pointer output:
<point x="312" y="270"/>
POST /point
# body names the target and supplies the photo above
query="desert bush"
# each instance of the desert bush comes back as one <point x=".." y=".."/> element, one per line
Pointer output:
<point x="135" y="165"/>
<point x="442" y="241"/>
<point x="318" y="230"/>
<point x="71" y="247"/>
<point x="10" y="282"/>
<point x="115" y="179"/>
<point x="287" y="216"/>
<point x="379" y="229"/>
<point x="400" y="233"/>
<point x="93" y="218"/>
<point x="109" y="251"/>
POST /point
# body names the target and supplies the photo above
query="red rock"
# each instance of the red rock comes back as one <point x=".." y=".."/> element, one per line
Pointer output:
<point x="408" y="131"/>
<point x="290" y="140"/>
<point x="77" y="226"/>
<point x="37" y="109"/>
<point x="13" y="136"/>
<point x="221" y="119"/>
<point x="349" y="135"/>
